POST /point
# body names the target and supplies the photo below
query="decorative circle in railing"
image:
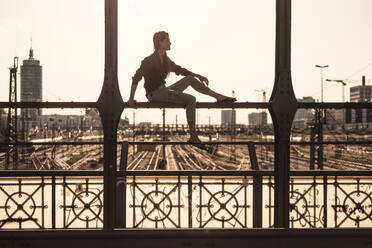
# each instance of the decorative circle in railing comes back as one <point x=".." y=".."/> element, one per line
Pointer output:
<point x="226" y="205"/>
<point x="356" y="205"/>
<point x="156" y="206"/>
<point x="20" y="205"/>
<point x="87" y="205"/>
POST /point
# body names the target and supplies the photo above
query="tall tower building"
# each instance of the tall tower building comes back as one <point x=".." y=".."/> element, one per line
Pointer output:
<point x="31" y="88"/>
<point x="257" y="119"/>
<point x="228" y="118"/>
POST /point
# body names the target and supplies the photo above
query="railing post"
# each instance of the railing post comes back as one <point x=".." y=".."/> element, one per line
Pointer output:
<point x="110" y="106"/>
<point x="257" y="201"/>
<point x="120" y="219"/>
<point x="325" y="201"/>
<point x="189" y="189"/>
<point x="283" y="106"/>
<point x="121" y="187"/>
<point x="54" y="202"/>
<point x="124" y="156"/>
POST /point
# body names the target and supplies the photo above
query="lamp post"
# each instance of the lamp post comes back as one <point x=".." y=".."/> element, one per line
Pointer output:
<point x="318" y="127"/>
<point x="321" y="79"/>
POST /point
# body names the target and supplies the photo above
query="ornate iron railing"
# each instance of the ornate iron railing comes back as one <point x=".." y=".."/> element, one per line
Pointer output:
<point x="183" y="199"/>
<point x="287" y="206"/>
<point x="51" y="200"/>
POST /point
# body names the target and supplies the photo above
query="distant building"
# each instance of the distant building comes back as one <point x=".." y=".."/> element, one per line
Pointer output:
<point x="55" y="121"/>
<point x="333" y="118"/>
<point x="339" y="116"/>
<point x="31" y="89"/>
<point x="228" y="118"/>
<point x="303" y="116"/>
<point x="144" y="124"/>
<point x="94" y="115"/>
<point x="124" y="123"/>
<point x="257" y="119"/>
<point x="360" y="93"/>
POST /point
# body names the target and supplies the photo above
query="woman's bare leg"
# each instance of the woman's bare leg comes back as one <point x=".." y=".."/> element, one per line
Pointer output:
<point x="187" y="81"/>
<point x="193" y="136"/>
<point x="174" y="96"/>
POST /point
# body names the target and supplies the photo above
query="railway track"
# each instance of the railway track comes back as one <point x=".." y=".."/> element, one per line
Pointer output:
<point x="187" y="157"/>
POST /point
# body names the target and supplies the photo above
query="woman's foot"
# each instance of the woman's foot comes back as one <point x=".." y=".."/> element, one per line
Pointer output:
<point x="197" y="143"/>
<point x="221" y="98"/>
<point x="226" y="99"/>
<point x="194" y="140"/>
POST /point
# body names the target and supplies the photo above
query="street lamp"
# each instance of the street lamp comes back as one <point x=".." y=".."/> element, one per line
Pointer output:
<point x="321" y="79"/>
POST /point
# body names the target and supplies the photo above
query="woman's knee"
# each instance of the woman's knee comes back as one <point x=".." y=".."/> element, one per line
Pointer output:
<point x="192" y="99"/>
<point x="191" y="102"/>
<point x="190" y="78"/>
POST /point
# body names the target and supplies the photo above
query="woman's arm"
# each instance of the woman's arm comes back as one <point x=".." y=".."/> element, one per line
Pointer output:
<point x="184" y="72"/>
<point x="135" y="79"/>
<point x="131" y="102"/>
<point x="201" y="78"/>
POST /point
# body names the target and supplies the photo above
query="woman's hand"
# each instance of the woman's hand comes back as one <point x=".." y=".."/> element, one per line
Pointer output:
<point x="131" y="103"/>
<point x="202" y="79"/>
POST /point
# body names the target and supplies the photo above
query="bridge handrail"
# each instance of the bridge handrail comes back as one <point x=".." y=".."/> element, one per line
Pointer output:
<point x="362" y="142"/>
<point x="200" y="105"/>
<point x="164" y="173"/>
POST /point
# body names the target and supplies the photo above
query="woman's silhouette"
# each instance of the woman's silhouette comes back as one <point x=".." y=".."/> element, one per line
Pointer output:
<point x="155" y="69"/>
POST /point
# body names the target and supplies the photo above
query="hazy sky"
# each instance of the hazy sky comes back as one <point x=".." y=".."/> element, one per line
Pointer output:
<point x="230" y="42"/>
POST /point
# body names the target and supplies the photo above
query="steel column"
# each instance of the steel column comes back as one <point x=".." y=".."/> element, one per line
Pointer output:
<point x="282" y="109"/>
<point x="110" y="107"/>
<point x="257" y="201"/>
<point x="312" y="148"/>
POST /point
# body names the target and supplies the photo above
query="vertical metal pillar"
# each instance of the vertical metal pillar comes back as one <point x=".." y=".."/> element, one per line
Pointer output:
<point x="110" y="106"/>
<point x="282" y="109"/>
<point x="312" y="147"/>
<point x="257" y="201"/>
<point x="163" y="147"/>
<point x="12" y="126"/>
<point x="316" y="135"/>
<point x="320" y="148"/>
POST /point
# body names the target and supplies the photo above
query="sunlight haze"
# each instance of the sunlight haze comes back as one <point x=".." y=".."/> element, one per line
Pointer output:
<point x="230" y="42"/>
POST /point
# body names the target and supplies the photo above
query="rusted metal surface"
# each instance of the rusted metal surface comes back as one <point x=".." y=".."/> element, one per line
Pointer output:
<point x="282" y="109"/>
<point x="110" y="107"/>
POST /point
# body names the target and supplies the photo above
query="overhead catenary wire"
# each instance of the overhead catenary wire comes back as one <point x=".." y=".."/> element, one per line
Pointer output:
<point x="346" y="79"/>
<point x="358" y="71"/>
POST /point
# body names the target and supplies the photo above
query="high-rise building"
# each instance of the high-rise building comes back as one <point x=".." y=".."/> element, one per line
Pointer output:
<point x="304" y="114"/>
<point x="257" y="119"/>
<point x="228" y="118"/>
<point x="360" y="93"/>
<point x="31" y="89"/>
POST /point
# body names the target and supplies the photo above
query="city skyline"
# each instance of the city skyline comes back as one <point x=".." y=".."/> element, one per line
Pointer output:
<point x="232" y="44"/>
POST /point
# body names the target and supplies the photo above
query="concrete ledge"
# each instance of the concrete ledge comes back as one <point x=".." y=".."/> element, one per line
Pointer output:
<point x="350" y="238"/>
